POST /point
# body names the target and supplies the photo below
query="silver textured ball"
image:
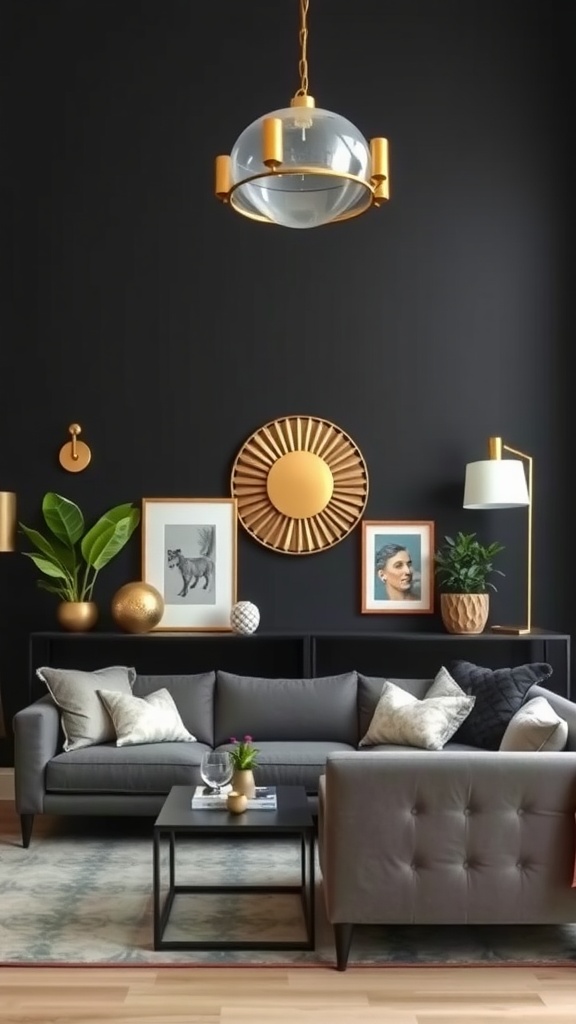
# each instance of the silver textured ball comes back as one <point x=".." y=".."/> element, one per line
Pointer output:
<point x="244" y="617"/>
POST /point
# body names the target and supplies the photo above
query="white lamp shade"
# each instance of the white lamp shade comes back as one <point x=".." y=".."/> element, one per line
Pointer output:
<point x="495" y="483"/>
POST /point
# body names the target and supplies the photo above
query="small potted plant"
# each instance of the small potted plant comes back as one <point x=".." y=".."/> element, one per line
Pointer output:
<point x="462" y="567"/>
<point x="244" y="758"/>
<point x="71" y="556"/>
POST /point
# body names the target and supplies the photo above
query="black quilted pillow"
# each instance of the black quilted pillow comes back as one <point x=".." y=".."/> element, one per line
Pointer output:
<point x="499" y="693"/>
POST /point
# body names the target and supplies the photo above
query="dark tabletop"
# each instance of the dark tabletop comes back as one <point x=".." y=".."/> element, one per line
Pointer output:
<point x="293" y="812"/>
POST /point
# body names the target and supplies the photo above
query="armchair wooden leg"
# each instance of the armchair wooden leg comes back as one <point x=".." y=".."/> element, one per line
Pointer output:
<point x="343" y="941"/>
<point x="26" y="823"/>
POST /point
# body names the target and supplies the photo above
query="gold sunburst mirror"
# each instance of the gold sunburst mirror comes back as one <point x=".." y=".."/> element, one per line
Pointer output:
<point x="301" y="485"/>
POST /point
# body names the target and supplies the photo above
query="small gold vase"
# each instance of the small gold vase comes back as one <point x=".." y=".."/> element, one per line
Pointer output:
<point x="77" y="616"/>
<point x="243" y="782"/>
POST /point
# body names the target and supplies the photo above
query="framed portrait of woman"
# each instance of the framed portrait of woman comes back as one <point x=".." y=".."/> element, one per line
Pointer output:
<point x="397" y="567"/>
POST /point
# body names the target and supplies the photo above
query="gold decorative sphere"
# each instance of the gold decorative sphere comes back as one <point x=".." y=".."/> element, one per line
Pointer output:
<point x="137" y="607"/>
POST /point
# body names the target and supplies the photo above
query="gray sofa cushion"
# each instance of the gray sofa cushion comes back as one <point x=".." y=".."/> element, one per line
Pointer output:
<point x="283" y="763"/>
<point x="193" y="695"/>
<point x="370" y="690"/>
<point x="286" y="709"/>
<point x="150" y="768"/>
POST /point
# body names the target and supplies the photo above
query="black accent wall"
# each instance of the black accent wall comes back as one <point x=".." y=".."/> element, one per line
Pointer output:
<point x="171" y="328"/>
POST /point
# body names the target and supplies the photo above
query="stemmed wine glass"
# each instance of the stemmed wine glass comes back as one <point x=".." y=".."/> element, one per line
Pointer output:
<point x="216" y="769"/>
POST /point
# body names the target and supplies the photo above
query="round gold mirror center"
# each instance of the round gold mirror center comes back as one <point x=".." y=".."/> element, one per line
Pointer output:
<point x="300" y="484"/>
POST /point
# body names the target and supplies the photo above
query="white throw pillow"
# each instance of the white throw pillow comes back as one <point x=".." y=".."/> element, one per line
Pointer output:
<point x="85" y="721"/>
<point x="535" y="726"/>
<point x="404" y="720"/>
<point x="151" y="719"/>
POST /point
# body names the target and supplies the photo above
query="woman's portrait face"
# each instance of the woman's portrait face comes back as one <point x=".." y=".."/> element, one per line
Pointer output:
<point x="398" y="572"/>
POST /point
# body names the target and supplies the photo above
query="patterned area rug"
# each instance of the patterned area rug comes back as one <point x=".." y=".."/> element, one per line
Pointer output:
<point x="83" y="896"/>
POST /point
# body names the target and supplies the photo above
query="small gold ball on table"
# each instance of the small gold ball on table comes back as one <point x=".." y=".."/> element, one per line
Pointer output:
<point x="236" y="802"/>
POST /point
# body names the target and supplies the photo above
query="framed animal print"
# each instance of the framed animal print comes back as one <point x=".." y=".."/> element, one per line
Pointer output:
<point x="189" y="553"/>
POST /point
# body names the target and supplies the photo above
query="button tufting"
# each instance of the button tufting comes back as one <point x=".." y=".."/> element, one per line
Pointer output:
<point x="466" y="865"/>
<point x="520" y="810"/>
<point x="467" y="811"/>
<point x="414" y="810"/>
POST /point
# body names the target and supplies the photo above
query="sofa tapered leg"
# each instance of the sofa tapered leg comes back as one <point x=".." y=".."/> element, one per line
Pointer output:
<point x="26" y="823"/>
<point x="343" y="941"/>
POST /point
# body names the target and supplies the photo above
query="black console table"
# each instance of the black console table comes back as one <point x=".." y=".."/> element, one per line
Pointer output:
<point x="396" y="654"/>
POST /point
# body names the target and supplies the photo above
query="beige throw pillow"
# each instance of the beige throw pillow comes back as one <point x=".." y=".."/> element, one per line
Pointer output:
<point x="404" y="720"/>
<point x="151" y="719"/>
<point x="85" y="721"/>
<point x="535" y="726"/>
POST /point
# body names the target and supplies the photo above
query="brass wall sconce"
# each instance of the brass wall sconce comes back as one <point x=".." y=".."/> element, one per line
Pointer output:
<point x="75" y="455"/>
<point x="7" y="521"/>
<point x="501" y="483"/>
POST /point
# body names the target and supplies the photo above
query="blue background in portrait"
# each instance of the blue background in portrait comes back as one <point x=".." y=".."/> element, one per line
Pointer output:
<point x="411" y="541"/>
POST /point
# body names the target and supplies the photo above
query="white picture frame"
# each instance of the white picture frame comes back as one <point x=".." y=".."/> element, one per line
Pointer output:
<point x="189" y="553"/>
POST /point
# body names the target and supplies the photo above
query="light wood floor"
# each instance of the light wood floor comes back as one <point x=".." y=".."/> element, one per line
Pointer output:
<point x="202" y="995"/>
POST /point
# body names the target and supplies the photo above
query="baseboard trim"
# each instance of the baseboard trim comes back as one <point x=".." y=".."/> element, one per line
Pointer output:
<point x="6" y="783"/>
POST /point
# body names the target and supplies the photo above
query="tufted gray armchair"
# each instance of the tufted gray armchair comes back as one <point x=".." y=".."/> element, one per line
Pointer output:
<point x="457" y="836"/>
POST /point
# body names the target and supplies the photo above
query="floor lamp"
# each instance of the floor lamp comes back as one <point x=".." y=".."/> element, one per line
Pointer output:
<point x="501" y="483"/>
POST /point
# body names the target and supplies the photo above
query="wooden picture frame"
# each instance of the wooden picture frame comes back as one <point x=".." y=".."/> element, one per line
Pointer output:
<point x="189" y="553"/>
<point x="397" y="567"/>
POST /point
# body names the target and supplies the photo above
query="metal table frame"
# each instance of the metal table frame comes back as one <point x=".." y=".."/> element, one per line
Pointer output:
<point x="262" y="823"/>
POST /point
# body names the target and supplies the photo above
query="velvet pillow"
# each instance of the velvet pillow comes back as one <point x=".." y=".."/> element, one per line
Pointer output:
<point x="150" y="719"/>
<point x="85" y="720"/>
<point x="404" y="720"/>
<point x="499" y="694"/>
<point x="536" y="726"/>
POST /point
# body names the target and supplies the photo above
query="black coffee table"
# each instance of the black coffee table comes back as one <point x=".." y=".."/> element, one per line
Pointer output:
<point x="292" y="818"/>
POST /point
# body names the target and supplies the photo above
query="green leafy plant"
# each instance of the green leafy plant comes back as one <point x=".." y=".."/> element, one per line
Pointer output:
<point x="72" y="557"/>
<point x="463" y="565"/>
<point x="244" y="755"/>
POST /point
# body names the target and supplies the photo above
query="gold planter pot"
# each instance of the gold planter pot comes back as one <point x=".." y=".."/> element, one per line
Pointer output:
<point x="243" y="782"/>
<point x="77" y="616"/>
<point x="464" y="613"/>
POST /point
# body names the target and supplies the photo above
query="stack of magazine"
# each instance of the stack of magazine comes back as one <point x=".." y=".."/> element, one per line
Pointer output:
<point x="205" y="799"/>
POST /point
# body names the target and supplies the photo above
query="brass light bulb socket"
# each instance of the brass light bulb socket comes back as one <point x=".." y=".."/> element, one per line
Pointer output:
<point x="272" y="144"/>
<point x="379" y="158"/>
<point x="223" y="178"/>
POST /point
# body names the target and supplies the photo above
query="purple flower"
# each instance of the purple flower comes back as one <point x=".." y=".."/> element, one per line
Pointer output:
<point x="233" y="739"/>
<point x="247" y="739"/>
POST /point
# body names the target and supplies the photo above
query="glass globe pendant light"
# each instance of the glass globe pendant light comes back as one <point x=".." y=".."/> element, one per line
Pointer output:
<point x="301" y="166"/>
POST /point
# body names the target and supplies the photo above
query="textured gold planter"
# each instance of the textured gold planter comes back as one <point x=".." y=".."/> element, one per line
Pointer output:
<point x="77" y="616"/>
<point x="464" y="613"/>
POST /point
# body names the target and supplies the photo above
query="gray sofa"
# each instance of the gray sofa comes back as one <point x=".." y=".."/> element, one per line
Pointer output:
<point x="295" y="723"/>
<point x="451" y="837"/>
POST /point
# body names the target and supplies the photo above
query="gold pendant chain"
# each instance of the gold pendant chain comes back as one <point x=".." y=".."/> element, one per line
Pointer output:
<point x="303" y="37"/>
